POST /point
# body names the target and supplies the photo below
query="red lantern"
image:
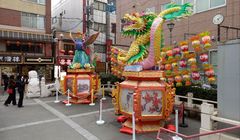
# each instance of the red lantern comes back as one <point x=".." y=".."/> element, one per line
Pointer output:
<point x="176" y="50"/>
<point x="195" y="75"/>
<point x="178" y="79"/>
<point x="209" y="73"/>
<point x="184" y="48"/>
<point x="62" y="51"/>
<point x="183" y="63"/>
<point x="69" y="61"/>
<point x="169" y="53"/>
<point x="168" y="66"/>
<point x="70" y="52"/>
<point x="203" y="57"/>
<point x="62" y="62"/>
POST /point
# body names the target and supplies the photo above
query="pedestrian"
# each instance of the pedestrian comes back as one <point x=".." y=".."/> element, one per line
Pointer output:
<point x="11" y="92"/>
<point x="5" y="81"/>
<point x="21" y="88"/>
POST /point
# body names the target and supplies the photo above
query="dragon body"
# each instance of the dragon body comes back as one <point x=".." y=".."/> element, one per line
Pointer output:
<point x="147" y="30"/>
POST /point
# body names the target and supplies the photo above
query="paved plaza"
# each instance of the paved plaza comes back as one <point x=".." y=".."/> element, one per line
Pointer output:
<point x="42" y="119"/>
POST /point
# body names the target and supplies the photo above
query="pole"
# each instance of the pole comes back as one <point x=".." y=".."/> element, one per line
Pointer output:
<point x="103" y="93"/>
<point x="176" y="124"/>
<point x="68" y="98"/>
<point x="133" y="126"/>
<point x="218" y="32"/>
<point x="100" y="121"/>
<point x="92" y="95"/>
<point x="170" y="37"/>
<point x="183" y="124"/>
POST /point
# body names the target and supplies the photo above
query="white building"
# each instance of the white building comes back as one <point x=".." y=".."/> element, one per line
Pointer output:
<point x="87" y="16"/>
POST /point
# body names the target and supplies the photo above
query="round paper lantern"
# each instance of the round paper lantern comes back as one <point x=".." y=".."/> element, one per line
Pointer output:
<point x="70" y="52"/>
<point x="178" y="79"/>
<point x="195" y="75"/>
<point x="203" y="57"/>
<point x="209" y="73"/>
<point x="62" y="51"/>
<point x="183" y="63"/>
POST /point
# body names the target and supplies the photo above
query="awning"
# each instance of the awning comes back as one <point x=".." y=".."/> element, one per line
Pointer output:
<point x="27" y="36"/>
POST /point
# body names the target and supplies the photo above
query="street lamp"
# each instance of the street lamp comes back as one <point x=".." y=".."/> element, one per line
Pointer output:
<point x="170" y="27"/>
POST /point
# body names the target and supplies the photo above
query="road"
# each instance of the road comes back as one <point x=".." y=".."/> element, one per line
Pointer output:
<point x="42" y="119"/>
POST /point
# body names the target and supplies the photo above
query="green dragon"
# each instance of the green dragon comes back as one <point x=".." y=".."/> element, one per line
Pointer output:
<point x="147" y="30"/>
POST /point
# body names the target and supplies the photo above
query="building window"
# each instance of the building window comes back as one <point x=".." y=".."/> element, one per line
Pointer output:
<point x="113" y="29"/>
<point x="199" y="5"/>
<point x="38" y="1"/>
<point x="100" y="6"/>
<point x="68" y="47"/>
<point x="99" y="27"/>
<point x="33" y="48"/>
<point x="33" y="21"/>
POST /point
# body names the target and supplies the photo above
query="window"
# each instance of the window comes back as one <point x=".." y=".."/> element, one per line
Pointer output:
<point x="199" y="5"/>
<point x="202" y="5"/>
<point x="24" y="47"/>
<point x="68" y="47"/>
<point x="99" y="27"/>
<point x="100" y="6"/>
<point x="33" y="20"/>
<point x="38" y="1"/>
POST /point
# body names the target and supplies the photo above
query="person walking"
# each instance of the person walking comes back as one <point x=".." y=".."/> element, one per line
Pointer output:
<point x="21" y="88"/>
<point x="5" y="81"/>
<point x="11" y="92"/>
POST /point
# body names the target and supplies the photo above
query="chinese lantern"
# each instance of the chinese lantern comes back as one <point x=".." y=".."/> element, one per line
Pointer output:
<point x="62" y="51"/>
<point x="203" y="57"/>
<point x="183" y="63"/>
<point x="209" y="73"/>
<point x="62" y="62"/>
<point x="70" y="52"/>
<point x="192" y="61"/>
<point x="195" y="75"/>
<point x="211" y="80"/>
<point x="69" y="61"/>
<point x="170" y="80"/>
<point x="187" y="79"/>
<point x="178" y="79"/>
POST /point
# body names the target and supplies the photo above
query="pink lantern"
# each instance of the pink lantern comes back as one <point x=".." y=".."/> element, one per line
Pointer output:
<point x="62" y="62"/>
<point x="69" y="61"/>
<point x="184" y="48"/>
<point x="183" y="63"/>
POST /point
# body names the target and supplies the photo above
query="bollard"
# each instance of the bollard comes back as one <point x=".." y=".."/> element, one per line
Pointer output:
<point x="100" y="121"/>
<point x="103" y="93"/>
<point x="183" y="124"/>
<point x="92" y="95"/>
<point x="56" y="100"/>
<point x="133" y="126"/>
<point x="57" y="87"/>
<point x="68" y="98"/>
<point x="176" y="124"/>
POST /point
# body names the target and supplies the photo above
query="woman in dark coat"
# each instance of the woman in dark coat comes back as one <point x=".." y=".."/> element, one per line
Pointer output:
<point x="12" y="96"/>
<point x="21" y="86"/>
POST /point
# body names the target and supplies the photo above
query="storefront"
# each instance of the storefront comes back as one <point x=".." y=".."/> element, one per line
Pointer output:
<point x="15" y="64"/>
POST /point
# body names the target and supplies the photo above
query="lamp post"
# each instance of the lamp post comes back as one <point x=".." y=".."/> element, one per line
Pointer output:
<point x="170" y="27"/>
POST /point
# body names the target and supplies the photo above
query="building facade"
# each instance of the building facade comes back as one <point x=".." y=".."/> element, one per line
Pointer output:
<point x="25" y="37"/>
<point x="201" y="20"/>
<point x="86" y="16"/>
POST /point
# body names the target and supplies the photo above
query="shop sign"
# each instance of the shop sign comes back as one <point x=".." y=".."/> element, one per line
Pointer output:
<point x="10" y="59"/>
<point x="41" y="60"/>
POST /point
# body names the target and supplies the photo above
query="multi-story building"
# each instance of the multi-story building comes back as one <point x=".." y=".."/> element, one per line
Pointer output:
<point x="204" y="12"/>
<point x="25" y="37"/>
<point x="86" y="16"/>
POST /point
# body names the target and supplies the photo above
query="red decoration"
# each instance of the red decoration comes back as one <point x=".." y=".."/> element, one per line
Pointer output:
<point x="70" y="52"/>
<point x="195" y="75"/>
<point x="183" y="63"/>
<point x="62" y="51"/>
<point x="204" y="57"/>
<point x="62" y="62"/>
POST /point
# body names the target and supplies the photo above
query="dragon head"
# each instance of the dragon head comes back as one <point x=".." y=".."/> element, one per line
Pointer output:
<point x="137" y="24"/>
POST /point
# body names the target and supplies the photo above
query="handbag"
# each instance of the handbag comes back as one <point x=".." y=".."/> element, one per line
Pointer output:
<point x="10" y="91"/>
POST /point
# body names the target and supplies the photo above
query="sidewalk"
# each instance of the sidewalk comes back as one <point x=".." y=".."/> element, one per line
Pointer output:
<point x="42" y="119"/>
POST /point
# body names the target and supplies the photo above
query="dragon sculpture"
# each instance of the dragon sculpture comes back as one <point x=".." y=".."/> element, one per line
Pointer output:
<point x="147" y="30"/>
